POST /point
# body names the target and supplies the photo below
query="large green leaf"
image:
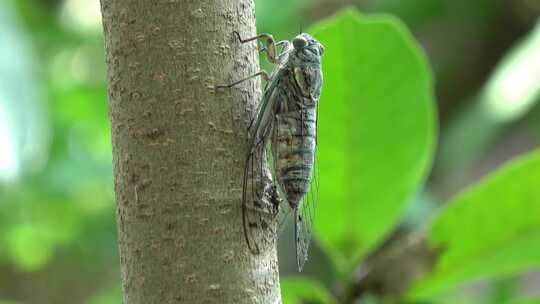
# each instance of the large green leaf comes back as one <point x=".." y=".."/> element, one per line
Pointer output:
<point x="376" y="131"/>
<point x="491" y="229"/>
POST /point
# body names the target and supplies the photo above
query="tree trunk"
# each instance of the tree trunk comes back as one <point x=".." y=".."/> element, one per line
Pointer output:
<point x="179" y="147"/>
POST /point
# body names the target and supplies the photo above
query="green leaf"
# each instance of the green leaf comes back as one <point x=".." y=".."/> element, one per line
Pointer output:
<point x="299" y="290"/>
<point x="376" y="131"/>
<point x="489" y="230"/>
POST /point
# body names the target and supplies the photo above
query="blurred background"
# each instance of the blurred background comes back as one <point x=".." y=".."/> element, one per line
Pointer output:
<point x="57" y="224"/>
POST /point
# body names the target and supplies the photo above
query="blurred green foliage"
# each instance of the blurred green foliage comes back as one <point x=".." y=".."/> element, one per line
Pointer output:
<point x="526" y="301"/>
<point x="377" y="135"/>
<point x="59" y="213"/>
<point x="301" y="289"/>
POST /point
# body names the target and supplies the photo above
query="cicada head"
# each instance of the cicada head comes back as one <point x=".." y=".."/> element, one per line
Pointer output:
<point x="307" y="48"/>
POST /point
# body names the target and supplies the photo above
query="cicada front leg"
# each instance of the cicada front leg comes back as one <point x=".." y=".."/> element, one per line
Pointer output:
<point x="270" y="47"/>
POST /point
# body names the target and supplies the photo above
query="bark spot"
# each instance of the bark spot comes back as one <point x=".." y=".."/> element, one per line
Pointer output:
<point x="215" y="289"/>
<point x="140" y="36"/>
<point x="203" y="221"/>
<point x="160" y="77"/>
<point x="198" y="13"/>
<point x="154" y="28"/>
<point x="192" y="278"/>
<point x="225" y="209"/>
<point x="155" y="133"/>
<point x="135" y="96"/>
<point x="228" y="257"/>
<point x="175" y="44"/>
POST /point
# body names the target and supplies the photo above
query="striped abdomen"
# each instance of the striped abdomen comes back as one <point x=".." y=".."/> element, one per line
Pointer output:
<point x="293" y="151"/>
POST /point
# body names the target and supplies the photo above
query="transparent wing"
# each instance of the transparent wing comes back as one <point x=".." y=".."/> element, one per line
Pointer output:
<point x="304" y="215"/>
<point x="304" y="218"/>
<point x="285" y="211"/>
<point x="260" y="202"/>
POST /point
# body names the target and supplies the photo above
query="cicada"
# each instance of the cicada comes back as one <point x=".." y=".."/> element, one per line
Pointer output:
<point x="285" y="125"/>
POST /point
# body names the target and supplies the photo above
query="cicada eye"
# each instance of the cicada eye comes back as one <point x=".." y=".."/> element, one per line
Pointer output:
<point x="299" y="42"/>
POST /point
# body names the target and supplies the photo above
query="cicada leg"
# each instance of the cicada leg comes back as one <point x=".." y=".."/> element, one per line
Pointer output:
<point x="263" y="74"/>
<point x="270" y="49"/>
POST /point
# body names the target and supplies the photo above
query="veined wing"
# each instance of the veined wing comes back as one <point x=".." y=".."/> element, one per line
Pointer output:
<point x="304" y="218"/>
<point x="264" y="115"/>
<point x="304" y="214"/>
<point x="260" y="201"/>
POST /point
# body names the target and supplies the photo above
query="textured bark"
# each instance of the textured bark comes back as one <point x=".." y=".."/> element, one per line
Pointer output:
<point x="179" y="147"/>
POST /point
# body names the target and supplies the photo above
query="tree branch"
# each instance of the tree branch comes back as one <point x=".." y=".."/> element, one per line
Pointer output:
<point x="179" y="147"/>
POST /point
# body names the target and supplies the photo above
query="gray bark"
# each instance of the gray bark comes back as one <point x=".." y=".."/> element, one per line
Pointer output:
<point x="179" y="147"/>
